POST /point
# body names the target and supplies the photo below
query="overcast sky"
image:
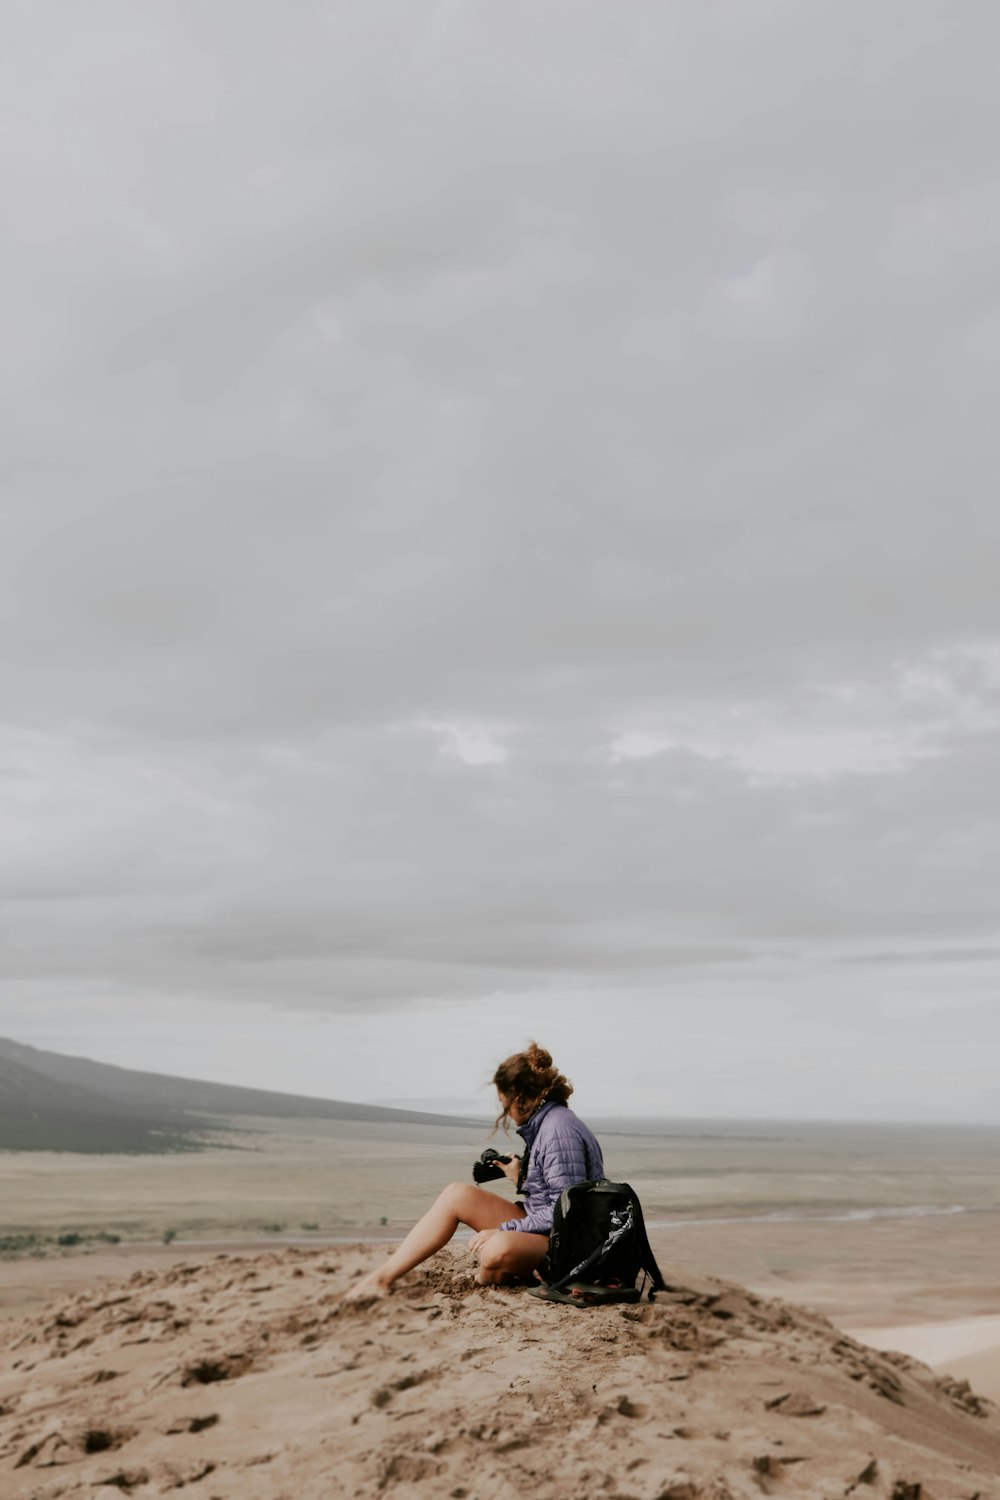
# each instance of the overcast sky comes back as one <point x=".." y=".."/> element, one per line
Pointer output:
<point x="499" y="539"/>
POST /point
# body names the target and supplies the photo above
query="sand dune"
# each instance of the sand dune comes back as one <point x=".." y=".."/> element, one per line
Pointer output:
<point x="247" y="1378"/>
<point x="967" y="1348"/>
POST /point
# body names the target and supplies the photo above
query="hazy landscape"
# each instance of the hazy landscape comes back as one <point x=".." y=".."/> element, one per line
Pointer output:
<point x="857" y="1221"/>
<point x="203" y="1159"/>
<point x="210" y="1229"/>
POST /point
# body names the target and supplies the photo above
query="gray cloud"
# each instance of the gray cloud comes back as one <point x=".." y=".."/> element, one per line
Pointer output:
<point x="498" y="502"/>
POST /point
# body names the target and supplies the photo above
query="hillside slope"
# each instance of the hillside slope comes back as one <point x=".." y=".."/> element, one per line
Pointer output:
<point x="39" y="1114"/>
<point x="52" y="1102"/>
<point x="249" y="1378"/>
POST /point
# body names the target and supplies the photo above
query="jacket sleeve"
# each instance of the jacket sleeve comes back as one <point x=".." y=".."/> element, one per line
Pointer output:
<point x="560" y="1160"/>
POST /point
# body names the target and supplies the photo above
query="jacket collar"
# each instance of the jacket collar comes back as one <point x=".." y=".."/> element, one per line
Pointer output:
<point x="529" y="1129"/>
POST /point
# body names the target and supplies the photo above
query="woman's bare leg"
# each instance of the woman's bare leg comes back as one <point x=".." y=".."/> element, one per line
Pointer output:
<point x="459" y="1203"/>
<point x="510" y="1255"/>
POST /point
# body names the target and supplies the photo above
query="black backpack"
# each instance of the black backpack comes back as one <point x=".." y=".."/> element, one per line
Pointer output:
<point x="597" y="1247"/>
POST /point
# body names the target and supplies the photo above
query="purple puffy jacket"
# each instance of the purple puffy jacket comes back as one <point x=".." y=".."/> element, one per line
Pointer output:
<point x="563" y="1151"/>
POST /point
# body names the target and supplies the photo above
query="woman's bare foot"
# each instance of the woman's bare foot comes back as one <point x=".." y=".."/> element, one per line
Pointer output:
<point x="370" y="1288"/>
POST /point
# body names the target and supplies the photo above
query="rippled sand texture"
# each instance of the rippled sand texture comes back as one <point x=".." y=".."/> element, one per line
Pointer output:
<point x="248" y="1379"/>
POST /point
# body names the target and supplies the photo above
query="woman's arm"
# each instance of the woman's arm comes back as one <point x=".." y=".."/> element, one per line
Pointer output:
<point x="559" y="1160"/>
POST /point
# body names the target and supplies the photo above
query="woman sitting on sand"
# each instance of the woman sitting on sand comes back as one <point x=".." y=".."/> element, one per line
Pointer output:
<point x="510" y="1240"/>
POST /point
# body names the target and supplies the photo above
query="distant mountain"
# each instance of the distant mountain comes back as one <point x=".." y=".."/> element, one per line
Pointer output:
<point x="38" y="1113"/>
<point x="50" y="1102"/>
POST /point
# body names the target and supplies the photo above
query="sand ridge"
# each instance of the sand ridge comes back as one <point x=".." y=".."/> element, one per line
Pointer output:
<point x="247" y="1378"/>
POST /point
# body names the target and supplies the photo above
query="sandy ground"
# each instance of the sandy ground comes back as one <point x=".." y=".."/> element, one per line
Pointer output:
<point x="928" y="1288"/>
<point x="512" y="1403"/>
<point x="28" y="1284"/>
<point x="880" y="1282"/>
<point x="246" y="1377"/>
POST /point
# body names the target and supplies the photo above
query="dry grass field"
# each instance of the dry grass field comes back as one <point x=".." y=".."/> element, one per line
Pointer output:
<point x="329" y="1173"/>
<point x="341" y="1175"/>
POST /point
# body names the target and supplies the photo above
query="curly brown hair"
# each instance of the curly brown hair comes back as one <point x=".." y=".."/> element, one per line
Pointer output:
<point x="528" y="1079"/>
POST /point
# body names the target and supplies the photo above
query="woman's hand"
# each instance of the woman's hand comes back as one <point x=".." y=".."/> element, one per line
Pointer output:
<point x="479" y="1240"/>
<point x="511" y="1169"/>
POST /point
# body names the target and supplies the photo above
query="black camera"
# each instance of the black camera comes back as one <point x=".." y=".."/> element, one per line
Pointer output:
<point x="486" y="1169"/>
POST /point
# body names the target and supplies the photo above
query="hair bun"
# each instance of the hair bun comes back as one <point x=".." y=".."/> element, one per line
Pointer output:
<point x="538" y="1056"/>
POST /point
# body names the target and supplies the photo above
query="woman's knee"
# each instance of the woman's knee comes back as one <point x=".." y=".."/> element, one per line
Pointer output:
<point x="456" y="1198"/>
<point x="507" y="1251"/>
<point x="494" y="1254"/>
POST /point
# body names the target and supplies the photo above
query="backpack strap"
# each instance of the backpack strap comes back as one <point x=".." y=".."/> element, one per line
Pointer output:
<point x="647" y="1259"/>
